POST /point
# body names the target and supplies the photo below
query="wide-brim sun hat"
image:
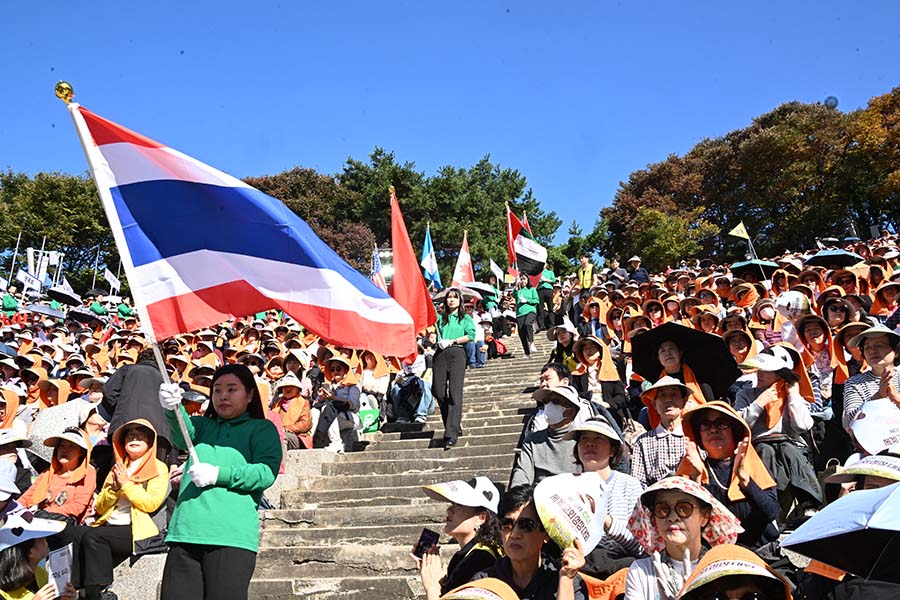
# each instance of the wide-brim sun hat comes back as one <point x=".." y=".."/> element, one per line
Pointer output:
<point x="764" y="362"/>
<point x="17" y="529"/>
<point x="595" y="425"/>
<point x="479" y="492"/>
<point x="874" y="331"/>
<point x="877" y="465"/>
<point x="567" y="393"/>
<point x="723" y="527"/>
<point x="729" y="560"/>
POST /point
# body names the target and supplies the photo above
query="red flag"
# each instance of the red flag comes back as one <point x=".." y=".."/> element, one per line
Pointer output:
<point x="510" y="247"/>
<point x="408" y="286"/>
<point x="525" y="223"/>
<point x="463" y="273"/>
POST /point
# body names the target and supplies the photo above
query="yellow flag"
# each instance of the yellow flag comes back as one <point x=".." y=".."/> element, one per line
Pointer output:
<point x="740" y="231"/>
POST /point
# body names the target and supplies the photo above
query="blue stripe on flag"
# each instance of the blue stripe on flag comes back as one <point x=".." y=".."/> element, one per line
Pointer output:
<point x="166" y="218"/>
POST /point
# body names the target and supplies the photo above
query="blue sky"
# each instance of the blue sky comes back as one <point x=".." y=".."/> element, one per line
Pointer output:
<point x="575" y="95"/>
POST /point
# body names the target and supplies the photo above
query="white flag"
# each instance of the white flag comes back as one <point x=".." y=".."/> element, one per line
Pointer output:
<point x="66" y="285"/>
<point x="29" y="280"/>
<point x="4" y="284"/>
<point x="497" y="272"/>
<point x="111" y="279"/>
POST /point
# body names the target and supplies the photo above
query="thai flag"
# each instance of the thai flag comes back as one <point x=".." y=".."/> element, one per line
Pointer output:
<point x="377" y="275"/>
<point x="200" y="247"/>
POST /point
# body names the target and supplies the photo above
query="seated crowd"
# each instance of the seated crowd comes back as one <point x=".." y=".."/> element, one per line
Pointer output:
<point x="700" y="465"/>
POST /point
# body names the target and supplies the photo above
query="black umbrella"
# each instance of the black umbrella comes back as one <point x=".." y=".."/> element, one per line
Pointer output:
<point x="8" y="350"/>
<point x="64" y="295"/>
<point x="44" y="309"/>
<point x="85" y="316"/>
<point x="706" y="354"/>
<point x="764" y="267"/>
<point x="831" y="258"/>
<point x="95" y="292"/>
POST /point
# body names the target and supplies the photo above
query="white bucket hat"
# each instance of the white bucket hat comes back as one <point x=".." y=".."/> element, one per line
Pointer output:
<point x="478" y="493"/>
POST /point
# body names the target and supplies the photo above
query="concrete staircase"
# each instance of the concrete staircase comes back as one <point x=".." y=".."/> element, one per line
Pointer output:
<point x="346" y="522"/>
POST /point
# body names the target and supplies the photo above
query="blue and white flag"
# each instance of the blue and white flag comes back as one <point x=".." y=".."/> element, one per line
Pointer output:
<point x="429" y="261"/>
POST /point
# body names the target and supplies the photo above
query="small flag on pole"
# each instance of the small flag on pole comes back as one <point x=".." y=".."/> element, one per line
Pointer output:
<point x="463" y="273"/>
<point x="497" y="272"/>
<point x="377" y="275"/>
<point x="112" y="280"/>
<point x="528" y="255"/>
<point x="429" y="260"/>
<point x="740" y="231"/>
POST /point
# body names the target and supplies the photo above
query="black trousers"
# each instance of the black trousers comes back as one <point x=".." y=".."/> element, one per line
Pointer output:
<point x="201" y="572"/>
<point x="100" y="549"/>
<point x="545" y="308"/>
<point x="525" y="325"/>
<point x="448" y="375"/>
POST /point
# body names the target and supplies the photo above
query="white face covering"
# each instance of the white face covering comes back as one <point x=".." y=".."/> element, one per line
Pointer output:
<point x="539" y="423"/>
<point x="554" y="413"/>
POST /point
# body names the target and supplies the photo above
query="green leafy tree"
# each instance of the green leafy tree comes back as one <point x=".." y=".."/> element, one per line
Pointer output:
<point x="665" y="239"/>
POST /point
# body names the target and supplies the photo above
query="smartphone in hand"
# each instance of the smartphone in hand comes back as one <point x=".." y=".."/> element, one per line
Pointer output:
<point x="427" y="539"/>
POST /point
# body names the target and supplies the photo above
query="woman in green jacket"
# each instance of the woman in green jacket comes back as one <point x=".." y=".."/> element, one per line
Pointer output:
<point x="454" y="328"/>
<point x="213" y="536"/>
<point x="526" y="313"/>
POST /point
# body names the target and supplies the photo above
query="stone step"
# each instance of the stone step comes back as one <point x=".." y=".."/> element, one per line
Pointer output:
<point x="375" y="561"/>
<point x="424" y="510"/>
<point x="393" y="496"/>
<point x="412" y="454"/>
<point x="468" y="431"/>
<point x="447" y="461"/>
<point x="383" y="444"/>
<point x="397" y="534"/>
<point x="361" y="483"/>
<point x="338" y="588"/>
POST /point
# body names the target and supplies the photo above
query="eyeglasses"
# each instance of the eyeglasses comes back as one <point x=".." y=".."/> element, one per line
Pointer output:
<point x="525" y="524"/>
<point x="720" y="424"/>
<point x="705" y="295"/>
<point x="683" y="509"/>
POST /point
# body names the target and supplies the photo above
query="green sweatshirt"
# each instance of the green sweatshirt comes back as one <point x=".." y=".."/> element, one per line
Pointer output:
<point x="526" y="301"/>
<point x="10" y="304"/>
<point x="248" y="454"/>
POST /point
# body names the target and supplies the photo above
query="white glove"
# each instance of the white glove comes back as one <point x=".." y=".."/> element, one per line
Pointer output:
<point x="668" y="579"/>
<point x="203" y="474"/>
<point x="170" y="396"/>
<point x="444" y="344"/>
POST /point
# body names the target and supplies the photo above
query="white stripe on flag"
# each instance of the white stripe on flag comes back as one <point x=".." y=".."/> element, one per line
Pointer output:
<point x="203" y="269"/>
<point x="132" y="164"/>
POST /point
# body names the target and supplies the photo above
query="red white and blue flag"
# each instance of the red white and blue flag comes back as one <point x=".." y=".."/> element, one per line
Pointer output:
<point x="377" y="275"/>
<point x="200" y="247"/>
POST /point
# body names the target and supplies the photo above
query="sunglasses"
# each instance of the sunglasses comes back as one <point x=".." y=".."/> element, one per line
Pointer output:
<point x="683" y="509"/>
<point x="744" y="596"/>
<point x="720" y="424"/>
<point x="705" y="295"/>
<point x="525" y="524"/>
<point x="835" y="308"/>
<point x="336" y="368"/>
<point x="844" y="281"/>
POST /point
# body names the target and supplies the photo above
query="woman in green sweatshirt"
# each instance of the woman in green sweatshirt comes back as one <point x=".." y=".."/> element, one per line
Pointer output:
<point x="213" y="536"/>
<point x="526" y="312"/>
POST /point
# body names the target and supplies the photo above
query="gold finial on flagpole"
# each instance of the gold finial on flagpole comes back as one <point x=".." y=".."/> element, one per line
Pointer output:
<point x="64" y="91"/>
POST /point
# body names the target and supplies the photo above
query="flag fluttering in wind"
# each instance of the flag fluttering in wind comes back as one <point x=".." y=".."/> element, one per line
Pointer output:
<point x="740" y="231"/>
<point x="524" y="252"/>
<point x="429" y="260"/>
<point x="408" y="286"/>
<point x="463" y="273"/>
<point x="200" y="247"/>
<point x="498" y="273"/>
<point x="377" y="275"/>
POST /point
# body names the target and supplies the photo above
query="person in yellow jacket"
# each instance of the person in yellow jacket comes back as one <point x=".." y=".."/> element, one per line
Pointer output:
<point x="132" y="495"/>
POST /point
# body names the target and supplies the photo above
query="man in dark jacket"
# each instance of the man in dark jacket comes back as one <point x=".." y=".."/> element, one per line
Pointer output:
<point x="638" y="273"/>
<point x="133" y="393"/>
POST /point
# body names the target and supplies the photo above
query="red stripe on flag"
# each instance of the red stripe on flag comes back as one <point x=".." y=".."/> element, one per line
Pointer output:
<point x="209" y="306"/>
<point x="107" y="132"/>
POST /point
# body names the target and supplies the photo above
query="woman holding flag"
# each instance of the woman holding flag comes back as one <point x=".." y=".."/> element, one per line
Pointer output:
<point x="455" y="329"/>
<point x="213" y="536"/>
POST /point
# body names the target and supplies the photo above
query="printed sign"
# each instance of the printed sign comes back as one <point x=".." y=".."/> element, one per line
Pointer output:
<point x="877" y="425"/>
<point x="59" y="563"/>
<point x="572" y="506"/>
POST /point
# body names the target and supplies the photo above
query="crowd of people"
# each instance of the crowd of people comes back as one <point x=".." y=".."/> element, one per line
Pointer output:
<point x="712" y="403"/>
<point x="717" y="407"/>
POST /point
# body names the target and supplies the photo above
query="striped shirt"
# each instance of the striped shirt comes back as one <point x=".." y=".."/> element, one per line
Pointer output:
<point x="656" y="454"/>
<point x="858" y="390"/>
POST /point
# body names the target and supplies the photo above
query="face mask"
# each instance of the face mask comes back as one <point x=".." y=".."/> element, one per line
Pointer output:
<point x="554" y="413"/>
<point x="767" y="313"/>
<point x="539" y="422"/>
